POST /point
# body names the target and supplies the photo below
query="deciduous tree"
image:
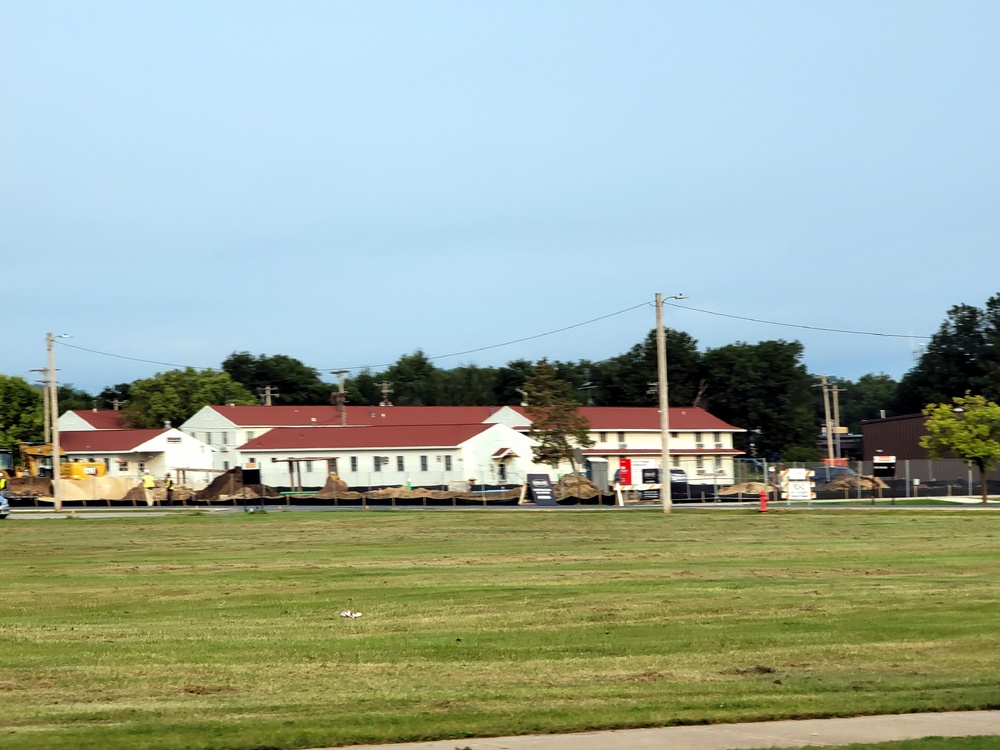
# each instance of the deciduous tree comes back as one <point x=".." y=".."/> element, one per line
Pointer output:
<point x="294" y="382"/>
<point x="557" y="425"/>
<point x="175" y="395"/>
<point x="967" y="428"/>
<point x="21" y="412"/>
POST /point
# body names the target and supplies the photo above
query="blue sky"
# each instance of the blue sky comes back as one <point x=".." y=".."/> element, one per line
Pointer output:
<point x="348" y="182"/>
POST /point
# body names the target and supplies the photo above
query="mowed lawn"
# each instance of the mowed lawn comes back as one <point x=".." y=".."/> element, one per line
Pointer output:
<point x="225" y="631"/>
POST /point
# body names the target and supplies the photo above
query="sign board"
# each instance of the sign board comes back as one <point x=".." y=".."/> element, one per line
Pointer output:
<point x="540" y="488"/>
<point x="625" y="471"/>
<point x="884" y="466"/>
<point x="797" y="484"/>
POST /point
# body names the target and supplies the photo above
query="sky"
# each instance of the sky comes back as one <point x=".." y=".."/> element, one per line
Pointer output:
<point x="348" y="182"/>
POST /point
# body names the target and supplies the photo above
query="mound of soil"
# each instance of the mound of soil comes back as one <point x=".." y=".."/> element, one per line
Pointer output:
<point x="29" y="487"/>
<point x="745" y="488"/>
<point x="230" y="485"/>
<point x="335" y="487"/>
<point x="848" y="482"/>
<point x="574" y="485"/>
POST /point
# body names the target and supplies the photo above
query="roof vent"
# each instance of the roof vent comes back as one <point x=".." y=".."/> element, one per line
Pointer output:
<point x="166" y="425"/>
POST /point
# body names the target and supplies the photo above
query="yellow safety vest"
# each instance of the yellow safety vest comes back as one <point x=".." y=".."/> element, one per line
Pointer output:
<point x="148" y="482"/>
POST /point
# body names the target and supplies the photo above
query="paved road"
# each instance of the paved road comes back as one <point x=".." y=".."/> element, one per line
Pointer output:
<point x="764" y="734"/>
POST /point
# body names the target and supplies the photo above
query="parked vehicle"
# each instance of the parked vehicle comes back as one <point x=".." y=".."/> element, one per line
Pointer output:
<point x="825" y="474"/>
<point x="4" y="508"/>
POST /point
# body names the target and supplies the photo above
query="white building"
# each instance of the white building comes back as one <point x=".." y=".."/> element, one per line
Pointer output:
<point x="387" y="455"/>
<point x="128" y="453"/>
<point x="226" y="428"/>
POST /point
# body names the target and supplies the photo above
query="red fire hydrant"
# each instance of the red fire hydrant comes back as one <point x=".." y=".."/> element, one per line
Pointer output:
<point x="763" y="501"/>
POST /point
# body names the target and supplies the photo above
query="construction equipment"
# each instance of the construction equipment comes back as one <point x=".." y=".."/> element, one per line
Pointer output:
<point x="36" y="461"/>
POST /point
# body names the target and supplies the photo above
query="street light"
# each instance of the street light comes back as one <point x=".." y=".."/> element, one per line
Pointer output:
<point x="661" y="387"/>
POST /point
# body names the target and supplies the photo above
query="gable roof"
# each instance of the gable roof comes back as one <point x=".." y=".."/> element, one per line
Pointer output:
<point x="105" y="419"/>
<point x="105" y="441"/>
<point x="384" y="436"/>
<point x="307" y="416"/>
<point x="682" y="419"/>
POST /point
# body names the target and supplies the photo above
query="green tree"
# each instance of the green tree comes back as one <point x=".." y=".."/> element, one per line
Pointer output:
<point x="764" y="387"/>
<point x="967" y="428"/>
<point x="415" y="381"/>
<point x="626" y="380"/>
<point x="469" y="385"/>
<point x="114" y="396"/>
<point x="175" y="395"/>
<point x="21" y="412"/>
<point x="295" y="383"/>
<point x="865" y="399"/>
<point x="74" y="399"/>
<point x="362" y="389"/>
<point x="964" y="355"/>
<point x="509" y="382"/>
<point x="556" y="424"/>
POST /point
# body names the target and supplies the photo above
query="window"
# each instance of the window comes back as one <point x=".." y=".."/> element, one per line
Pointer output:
<point x="676" y="462"/>
<point x="621" y="437"/>
<point x="309" y="467"/>
<point x="354" y="463"/>
<point x="602" y="437"/>
<point x="447" y="463"/>
<point x="123" y="466"/>
<point x="142" y="467"/>
<point x="377" y="463"/>
<point x="675" y="435"/>
<point x="249" y="435"/>
<point x="173" y="439"/>
<point x="400" y="463"/>
<point x="225" y="438"/>
<point x="718" y="464"/>
<point x="208" y="438"/>
<point x="225" y="466"/>
<point x="423" y="463"/>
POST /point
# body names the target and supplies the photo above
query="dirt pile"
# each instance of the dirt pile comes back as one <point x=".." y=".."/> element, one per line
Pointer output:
<point x="752" y="489"/>
<point x="230" y="485"/>
<point x="574" y="485"/>
<point x="336" y="487"/>
<point x="848" y="482"/>
<point x="29" y="487"/>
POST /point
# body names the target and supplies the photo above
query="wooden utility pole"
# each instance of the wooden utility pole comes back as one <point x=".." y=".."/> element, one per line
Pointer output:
<point x="266" y="393"/>
<point x="386" y="387"/>
<point x="827" y="422"/>
<point x="340" y="397"/>
<point x="836" y="418"/>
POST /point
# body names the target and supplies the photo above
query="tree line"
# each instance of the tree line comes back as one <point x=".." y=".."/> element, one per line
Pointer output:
<point x="763" y="387"/>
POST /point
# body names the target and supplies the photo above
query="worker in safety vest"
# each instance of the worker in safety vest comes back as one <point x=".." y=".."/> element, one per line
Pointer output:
<point x="148" y="485"/>
<point x="3" y="485"/>
<point x="168" y="484"/>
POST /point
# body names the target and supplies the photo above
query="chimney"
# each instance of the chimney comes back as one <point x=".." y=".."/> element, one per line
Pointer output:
<point x="166" y="425"/>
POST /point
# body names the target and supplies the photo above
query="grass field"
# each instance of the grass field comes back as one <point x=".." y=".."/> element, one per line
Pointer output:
<point x="224" y="631"/>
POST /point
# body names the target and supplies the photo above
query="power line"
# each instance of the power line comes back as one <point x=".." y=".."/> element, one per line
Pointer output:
<point x="538" y="336"/>
<point x="799" y="325"/>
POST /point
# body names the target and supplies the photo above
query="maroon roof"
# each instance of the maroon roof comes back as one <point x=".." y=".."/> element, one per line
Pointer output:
<point x="106" y="419"/>
<point x="386" y="436"/>
<point x="682" y="419"/>
<point x="303" y="416"/>
<point x="658" y="451"/>
<point x="104" y="441"/>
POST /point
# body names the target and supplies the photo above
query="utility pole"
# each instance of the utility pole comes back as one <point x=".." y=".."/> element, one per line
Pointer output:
<point x="267" y="392"/>
<point x="836" y="418"/>
<point x="47" y="420"/>
<point x="386" y="387"/>
<point x="826" y="414"/>
<point x="661" y="388"/>
<point x="588" y="386"/>
<point x="54" y="420"/>
<point x="340" y="397"/>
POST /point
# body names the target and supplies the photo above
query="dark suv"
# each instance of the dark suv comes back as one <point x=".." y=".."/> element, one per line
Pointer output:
<point x="824" y="474"/>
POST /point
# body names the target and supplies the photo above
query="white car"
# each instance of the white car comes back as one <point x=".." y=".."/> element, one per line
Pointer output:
<point x="4" y="508"/>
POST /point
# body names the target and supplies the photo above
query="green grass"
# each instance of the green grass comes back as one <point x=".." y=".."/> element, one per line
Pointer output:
<point x="224" y="631"/>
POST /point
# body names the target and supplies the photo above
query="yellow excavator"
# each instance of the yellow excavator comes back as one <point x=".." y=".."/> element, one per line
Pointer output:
<point x="36" y="461"/>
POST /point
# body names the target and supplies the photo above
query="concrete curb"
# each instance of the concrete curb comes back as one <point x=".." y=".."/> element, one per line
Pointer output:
<point x="763" y="734"/>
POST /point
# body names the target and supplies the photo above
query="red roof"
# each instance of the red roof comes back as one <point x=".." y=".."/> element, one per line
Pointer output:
<point x="304" y="416"/>
<point x="682" y="419"/>
<point x="105" y="441"/>
<point x="106" y="419"/>
<point x="387" y="436"/>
